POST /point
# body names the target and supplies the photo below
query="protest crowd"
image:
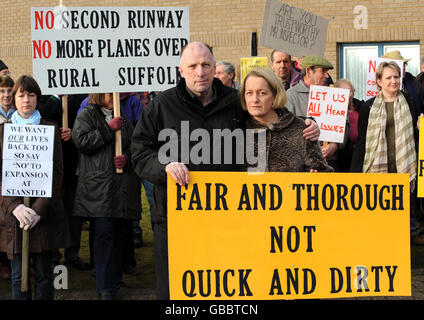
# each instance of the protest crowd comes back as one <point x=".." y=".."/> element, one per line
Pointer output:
<point x="97" y="190"/>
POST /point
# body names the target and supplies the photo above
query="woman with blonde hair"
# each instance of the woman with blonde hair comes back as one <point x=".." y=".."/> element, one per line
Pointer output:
<point x="264" y="98"/>
<point x="387" y="135"/>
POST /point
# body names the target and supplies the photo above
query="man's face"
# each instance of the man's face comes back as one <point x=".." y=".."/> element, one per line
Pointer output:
<point x="317" y="76"/>
<point x="221" y="74"/>
<point x="197" y="67"/>
<point x="281" y="65"/>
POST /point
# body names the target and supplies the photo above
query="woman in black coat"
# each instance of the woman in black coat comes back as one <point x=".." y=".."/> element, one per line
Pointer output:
<point x="102" y="194"/>
<point x="388" y="136"/>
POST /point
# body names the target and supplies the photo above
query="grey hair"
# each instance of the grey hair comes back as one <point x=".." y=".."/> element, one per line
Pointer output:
<point x="228" y="67"/>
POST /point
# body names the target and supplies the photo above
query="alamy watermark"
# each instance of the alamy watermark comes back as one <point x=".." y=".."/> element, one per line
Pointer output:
<point x="217" y="146"/>
<point x="61" y="280"/>
<point x="361" y="20"/>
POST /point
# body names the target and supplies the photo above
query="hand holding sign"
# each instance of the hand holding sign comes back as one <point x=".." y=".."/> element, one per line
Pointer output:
<point x="120" y="161"/>
<point x="23" y="215"/>
<point x="35" y="219"/>
<point x="116" y="123"/>
<point x="26" y="216"/>
<point x="329" y="149"/>
<point x="311" y="132"/>
<point x="65" y="134"/>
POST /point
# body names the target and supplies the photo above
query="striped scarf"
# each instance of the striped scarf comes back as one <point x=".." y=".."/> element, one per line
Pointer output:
<point x="375" y="160"/>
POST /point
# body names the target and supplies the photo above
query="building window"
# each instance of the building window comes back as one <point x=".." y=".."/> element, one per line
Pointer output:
<point x="354" y="60"/>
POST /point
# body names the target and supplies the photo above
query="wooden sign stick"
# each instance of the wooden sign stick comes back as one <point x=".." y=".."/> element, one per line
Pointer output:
<point x="64" y="101"/>
<point x="25" y="254"/>
<point x="65" y="111"/>
<point x="117" y="113"/>
<point x="324" y="144"/>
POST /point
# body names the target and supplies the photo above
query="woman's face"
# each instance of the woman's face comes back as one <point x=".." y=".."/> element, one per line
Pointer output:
<point x="258" y="97"/>
<point x="6" y="97"/>
<point x="25" y="103"/>
<point x="345" y="85"/>
<point x="108" y="99"/>
<point x="389" y="81"/>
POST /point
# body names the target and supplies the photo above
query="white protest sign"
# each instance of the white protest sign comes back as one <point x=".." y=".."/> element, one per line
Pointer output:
<point x="328" y="106"/>
<point x="371" y="87"/>
<point x="107" y="49"/>
<point x="27" y="160"/>
<point x="293" y="30"/>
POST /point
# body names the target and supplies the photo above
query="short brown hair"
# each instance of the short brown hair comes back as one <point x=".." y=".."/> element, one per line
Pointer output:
<point x="96" y="99"/>
<point x="274" y="83"/>
<point x="6" y="82"/>
<point x="26" y="83"/>
<point x="274" y="51"/>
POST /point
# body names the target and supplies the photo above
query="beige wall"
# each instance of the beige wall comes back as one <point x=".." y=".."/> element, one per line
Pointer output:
<point x="227" y="24"/>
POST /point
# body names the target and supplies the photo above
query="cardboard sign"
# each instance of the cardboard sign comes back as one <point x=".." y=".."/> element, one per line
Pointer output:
<point x="289" y="236"/>
<point x="293" y="30"/>
<point x="371" y="86"/>
<point x="249" y="63"/>
<point x="420" y="176"/>
<point x="107" y="49"/>
<point x="328" y="106"/>
<point x="27" y="160"/>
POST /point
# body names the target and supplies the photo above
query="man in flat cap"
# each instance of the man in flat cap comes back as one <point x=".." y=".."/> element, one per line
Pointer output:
<point x="315" y="72"/>
<point x="410" y="85"/>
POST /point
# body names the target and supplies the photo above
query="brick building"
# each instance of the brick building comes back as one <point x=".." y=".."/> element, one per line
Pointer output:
<point x="227" y="26"/>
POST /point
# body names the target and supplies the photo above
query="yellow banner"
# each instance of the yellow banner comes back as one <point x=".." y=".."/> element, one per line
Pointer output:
<point x="420" y="178"/>
<point x="289" y="236"/>
<point x="249" y="63"/>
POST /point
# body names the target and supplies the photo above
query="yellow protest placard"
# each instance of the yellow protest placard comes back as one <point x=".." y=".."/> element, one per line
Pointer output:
<point x="420" y="178"/>
<point x="289" y="236"/>
<point x="249" y="63"/>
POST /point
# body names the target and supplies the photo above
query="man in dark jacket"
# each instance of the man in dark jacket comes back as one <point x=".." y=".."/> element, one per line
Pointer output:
<point x="281" y="65"/>
<point x="420" y="76"/>
<point x="199" y="101"/>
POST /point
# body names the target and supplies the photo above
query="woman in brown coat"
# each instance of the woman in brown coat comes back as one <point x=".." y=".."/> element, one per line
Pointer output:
<point x="44" y="217"/>
<point x="263" y="96"/>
